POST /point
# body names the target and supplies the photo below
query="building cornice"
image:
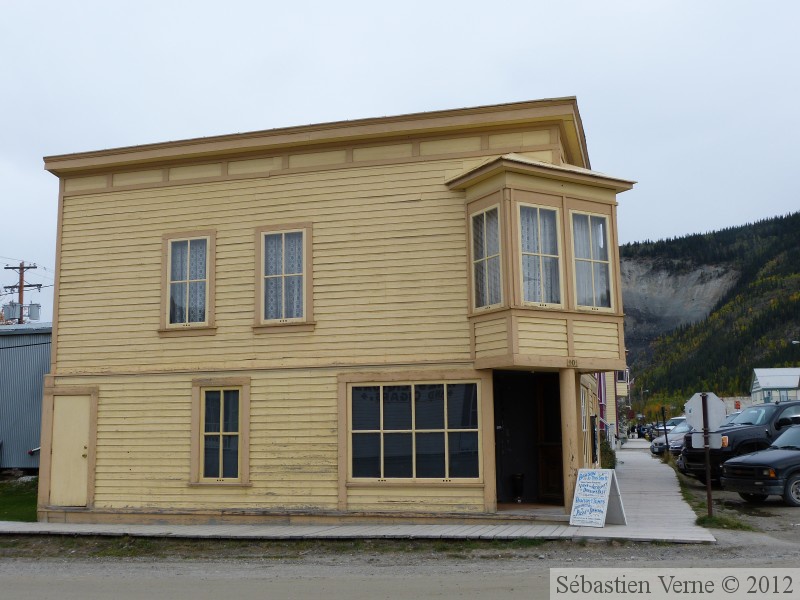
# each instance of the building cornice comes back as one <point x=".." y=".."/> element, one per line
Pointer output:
<point x="563" y="111"/>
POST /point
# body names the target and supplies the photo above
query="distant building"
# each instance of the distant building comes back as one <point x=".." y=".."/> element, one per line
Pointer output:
<point x="774" y="385"/>
<point x="736" y="403"/>
<point x="24" y="361"/>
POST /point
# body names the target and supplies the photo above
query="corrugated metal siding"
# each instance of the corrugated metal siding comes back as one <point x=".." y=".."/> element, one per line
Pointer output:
<point x="24" y="361"/>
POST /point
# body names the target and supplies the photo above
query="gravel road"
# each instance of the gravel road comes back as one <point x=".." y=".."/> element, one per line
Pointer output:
<point x="372" y="570"/>
<point x="72" y="568"/>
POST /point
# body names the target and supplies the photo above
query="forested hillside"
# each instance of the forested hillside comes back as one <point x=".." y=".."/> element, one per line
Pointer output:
<point x="750" y="326"/>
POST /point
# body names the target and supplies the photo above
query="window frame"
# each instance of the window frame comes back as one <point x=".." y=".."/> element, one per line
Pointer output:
<point x="189" y="328"/>
<point x="584" y="408"/>
<point x="199" y="387"/>
<point x="413" y="431"/>
<point x="559" y="257"/>
<point x="500" y="256"/>
<point x="306" y="322"/>
<point x="609" y="262"/>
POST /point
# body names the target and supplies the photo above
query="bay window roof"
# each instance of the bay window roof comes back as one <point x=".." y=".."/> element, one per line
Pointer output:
<point x="516" y="163"/>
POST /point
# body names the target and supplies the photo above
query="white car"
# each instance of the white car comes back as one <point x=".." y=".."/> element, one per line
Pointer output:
<point x="672" y="423"/>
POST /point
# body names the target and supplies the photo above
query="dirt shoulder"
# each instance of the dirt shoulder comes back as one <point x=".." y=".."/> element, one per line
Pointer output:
<point x="733" y="548"/>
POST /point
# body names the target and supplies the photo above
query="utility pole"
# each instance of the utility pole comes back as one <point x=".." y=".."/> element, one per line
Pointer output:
<point x="22" y="285"/>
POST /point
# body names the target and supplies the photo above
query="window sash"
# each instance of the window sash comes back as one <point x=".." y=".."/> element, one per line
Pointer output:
<point x="592" y="260"/>
<point x="220" y="430"/>
<point x="187" y="277"/>
<point x="422" y="430"/>
<point x="539" y="255"/>
<point x="486" y="258"/>
<point x="283" y="276"/>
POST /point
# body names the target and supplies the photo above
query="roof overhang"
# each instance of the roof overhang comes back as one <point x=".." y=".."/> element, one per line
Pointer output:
<point x="515" y="163"/>
<point x="562" y="112"/>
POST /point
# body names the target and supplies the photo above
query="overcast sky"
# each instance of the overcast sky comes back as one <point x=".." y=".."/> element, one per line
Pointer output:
<point x="698" y="101"/>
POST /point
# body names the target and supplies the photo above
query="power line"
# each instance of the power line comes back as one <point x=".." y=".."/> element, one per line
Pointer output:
<point x="48" y="269"/>
<point x="22" y="286"/>
<point x="25" y="345"/>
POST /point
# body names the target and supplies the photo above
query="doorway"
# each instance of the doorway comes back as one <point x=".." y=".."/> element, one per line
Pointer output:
<point x="527" y="416"/>
<point x="70" y="449"/>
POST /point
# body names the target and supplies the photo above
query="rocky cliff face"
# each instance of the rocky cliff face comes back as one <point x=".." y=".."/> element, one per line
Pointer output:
<point x="658" y="299"/>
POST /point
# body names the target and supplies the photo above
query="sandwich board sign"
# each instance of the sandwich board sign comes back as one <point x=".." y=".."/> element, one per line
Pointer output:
<point x="597" y="499"/>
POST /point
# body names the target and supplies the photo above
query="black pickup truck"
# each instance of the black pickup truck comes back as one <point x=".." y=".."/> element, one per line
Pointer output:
<point x="754" y="429"/>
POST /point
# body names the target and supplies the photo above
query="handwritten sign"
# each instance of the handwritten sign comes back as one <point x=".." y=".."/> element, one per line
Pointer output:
<point x="597" y="499"/>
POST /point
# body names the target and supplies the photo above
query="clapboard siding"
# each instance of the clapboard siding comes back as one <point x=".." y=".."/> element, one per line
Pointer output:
<point x="389" y="270"/>
<point x="542" y="336"/>
<point x="596" y="339"/>
<point x="416" y="499"/>
<point x="144" y="436"/>
<point x="491" y="337"/>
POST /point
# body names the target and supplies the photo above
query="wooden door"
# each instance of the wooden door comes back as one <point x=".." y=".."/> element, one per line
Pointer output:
<point x="69" y="462"/>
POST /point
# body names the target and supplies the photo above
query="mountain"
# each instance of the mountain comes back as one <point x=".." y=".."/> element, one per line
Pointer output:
<point x="704" y="310"/>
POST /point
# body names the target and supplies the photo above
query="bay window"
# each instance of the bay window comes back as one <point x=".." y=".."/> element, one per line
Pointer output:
<point x="540" y="256"/>
<point x="592" y="260"/>
<point x="486" y="267"/>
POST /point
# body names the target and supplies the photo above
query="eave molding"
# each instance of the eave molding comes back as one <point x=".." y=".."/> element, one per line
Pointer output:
<point x="559" y="110"/>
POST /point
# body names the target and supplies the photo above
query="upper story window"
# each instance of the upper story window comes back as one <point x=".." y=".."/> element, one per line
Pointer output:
<point x="592" y="260"/>
<point x="283" y="275"/>
<point x="541" y="282"/>
<point x="486" y="267"/>
<point x="187" y="300"/>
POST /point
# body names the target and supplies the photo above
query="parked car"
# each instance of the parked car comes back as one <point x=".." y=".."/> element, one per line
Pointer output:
<point x="657" y="429"/>
<point x="754" y="429"/>
<point x="730" y="417"/>
<point x="674" y="422"/>
<point x="774" y="471"/>
<point x="675" y="436"/>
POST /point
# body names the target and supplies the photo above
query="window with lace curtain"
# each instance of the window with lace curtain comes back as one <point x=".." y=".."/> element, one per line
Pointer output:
<point x="592" y="260"/>
<point x="541" y="278"/>
<point x="486" y="258"/>
<point x="283" y="275"/>
<point x="188" y="286"/>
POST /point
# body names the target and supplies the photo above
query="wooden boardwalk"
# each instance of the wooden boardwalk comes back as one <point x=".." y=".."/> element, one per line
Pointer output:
<point x="654" y="508"/>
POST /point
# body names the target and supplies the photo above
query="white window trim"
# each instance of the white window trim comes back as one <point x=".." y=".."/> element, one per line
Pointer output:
<point x="583" y="409"/>
<point x="575" y="259"/>
<point x="472" y="260"/>
<point x="559" y="256"/>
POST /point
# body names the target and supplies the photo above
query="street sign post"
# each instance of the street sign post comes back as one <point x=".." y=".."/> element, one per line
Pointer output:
<point x="694" y="411"/>
<point x="706" y="411"/>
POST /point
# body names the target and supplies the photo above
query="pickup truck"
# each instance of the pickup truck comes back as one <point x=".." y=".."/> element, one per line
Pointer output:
<point x="752" y="430"/>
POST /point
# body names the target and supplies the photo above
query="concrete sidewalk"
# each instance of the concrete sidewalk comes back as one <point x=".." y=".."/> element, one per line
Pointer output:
<point x="651" y="497"/>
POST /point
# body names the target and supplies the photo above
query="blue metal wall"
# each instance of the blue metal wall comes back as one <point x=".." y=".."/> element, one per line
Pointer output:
<point x="24" y="361"/>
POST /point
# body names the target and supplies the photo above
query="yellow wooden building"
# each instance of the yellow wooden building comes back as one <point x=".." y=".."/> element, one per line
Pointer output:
<point x="390" y="317"/>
